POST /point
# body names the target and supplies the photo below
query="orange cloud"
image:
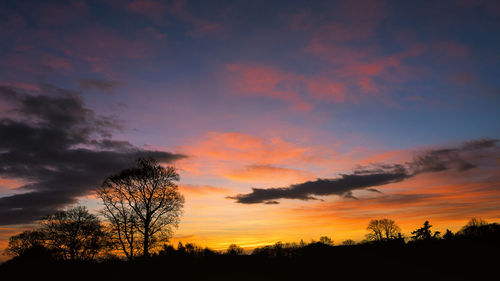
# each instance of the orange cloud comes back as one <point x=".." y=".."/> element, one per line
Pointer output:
<point x="10" y="183"/>
<point x="268" y="174"/>
<point x="204" y="190"/>
<point x="243" y="158"/>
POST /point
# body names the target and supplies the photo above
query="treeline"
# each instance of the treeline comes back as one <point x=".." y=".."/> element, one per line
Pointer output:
<point x="470" y="253"/>
<point x="75" y="234"/>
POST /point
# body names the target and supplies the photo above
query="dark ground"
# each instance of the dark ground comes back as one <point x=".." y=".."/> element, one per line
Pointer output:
<point x="430" y="260"/>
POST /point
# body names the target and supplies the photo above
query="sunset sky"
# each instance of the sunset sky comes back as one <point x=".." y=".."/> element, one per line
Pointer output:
<point x="335" y="112"/>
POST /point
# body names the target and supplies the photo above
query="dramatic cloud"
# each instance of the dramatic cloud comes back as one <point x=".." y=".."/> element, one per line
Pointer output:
<point x="458" y="158"/>
<point x="60" y="149"/>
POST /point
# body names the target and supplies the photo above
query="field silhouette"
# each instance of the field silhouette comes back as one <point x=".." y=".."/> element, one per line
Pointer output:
<point x="469" y="254"/>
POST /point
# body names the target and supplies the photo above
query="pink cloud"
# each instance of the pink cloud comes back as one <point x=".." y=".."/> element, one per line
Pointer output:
<point x="22" y="85"/>
<point x="335" y="86"/>
<point x="327" y="90"/>
<point x="367" y="84"/>
<point x="268" y="81"/>
<point x="38" y="62"/>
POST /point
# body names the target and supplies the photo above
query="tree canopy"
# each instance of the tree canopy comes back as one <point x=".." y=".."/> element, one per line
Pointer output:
<point x="383" y="229"/>
<point x="142" y="202"/>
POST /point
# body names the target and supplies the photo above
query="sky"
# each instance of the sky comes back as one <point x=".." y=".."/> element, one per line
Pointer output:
<point x="286" y="120"/>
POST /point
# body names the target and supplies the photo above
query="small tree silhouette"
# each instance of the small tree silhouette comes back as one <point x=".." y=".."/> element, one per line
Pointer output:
<point x="425" y="233"/>
<point x="25" y="242"/>
<point x="348" y="242"/>
<point x="326" y="240"/>
<point x="234" y="250"/>
<point x="448" y="235"/>
<point x="74" y="233"/>
<point x="383" y="229"/>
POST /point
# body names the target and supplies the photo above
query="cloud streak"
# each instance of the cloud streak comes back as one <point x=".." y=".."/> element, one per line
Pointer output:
<point x="60" y="149"/>
<point x="366" y="178"/>
<point x="98" y="84"/>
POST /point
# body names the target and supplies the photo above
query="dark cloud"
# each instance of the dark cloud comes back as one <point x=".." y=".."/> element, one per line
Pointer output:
<point x="98" y="84"/>
<point x="458" y="158"/>
<point x="342" y="186"/>
<point x="60" y="149"/>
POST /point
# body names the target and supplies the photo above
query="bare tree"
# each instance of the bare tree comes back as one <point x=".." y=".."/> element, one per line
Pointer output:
<point x="473" y="228"/>
<point x="74" y="233"/>
<point x="383" y="229"/>
<point x="123" y="221"/>
<point x="145" y="197"/>
<point x="235" y="250"/>
<point x="326" y="240"/>
<point x="348" y="242"/>
<point x="475" y="222"/>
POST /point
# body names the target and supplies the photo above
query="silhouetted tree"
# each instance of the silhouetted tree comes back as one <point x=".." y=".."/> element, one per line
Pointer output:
<point x="348" y="242"/>
<point x="448" y="235"/>
<point x="25" y="242"/>
<point x="180" y="248"/>
<point x="383" y="229"/>
<point x="472" y="227"/>
<point x="193" y="249"/>
<point x="167" y="250"/>
<point x="123" y="221"/>
<point x="234" y="250"/>
<point x="74" y="233"/>
<point x="326" y="240"/>
<point x="425" y="233"/>
<point x="479" y="229"/>
<point x="150" y="197"/>
<point x="302" y="243"/>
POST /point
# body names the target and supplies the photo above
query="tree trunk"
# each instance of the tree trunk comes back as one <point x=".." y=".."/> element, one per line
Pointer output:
<point x="146" y="241"/>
